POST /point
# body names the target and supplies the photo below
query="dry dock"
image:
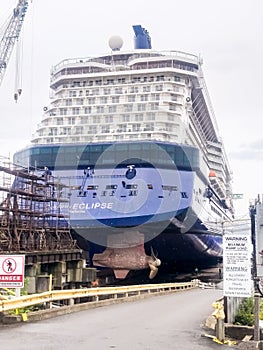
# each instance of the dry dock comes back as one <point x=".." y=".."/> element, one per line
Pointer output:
<point x="31" y="224"/>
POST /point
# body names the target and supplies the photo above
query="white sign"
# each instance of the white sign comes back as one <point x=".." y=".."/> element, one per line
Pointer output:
<point x="237" y="254"/>
<point x="12" y="269"/>
<point x="259" y="239"/>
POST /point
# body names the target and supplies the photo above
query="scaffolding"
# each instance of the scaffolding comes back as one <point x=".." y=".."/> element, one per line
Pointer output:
<point x="34" y="215"/>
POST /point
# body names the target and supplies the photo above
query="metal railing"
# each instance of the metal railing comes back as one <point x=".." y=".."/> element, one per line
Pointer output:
<point x="95" y="293"/>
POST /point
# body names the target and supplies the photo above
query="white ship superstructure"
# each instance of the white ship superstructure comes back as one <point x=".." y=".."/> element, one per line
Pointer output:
<point x="131" y="96"/>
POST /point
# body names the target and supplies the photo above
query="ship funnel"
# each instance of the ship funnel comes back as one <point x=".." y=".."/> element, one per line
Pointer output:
<point x="142" y="38"/>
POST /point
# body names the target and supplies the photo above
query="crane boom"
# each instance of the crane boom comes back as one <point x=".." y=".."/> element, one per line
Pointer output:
<point x="11" y="35"/>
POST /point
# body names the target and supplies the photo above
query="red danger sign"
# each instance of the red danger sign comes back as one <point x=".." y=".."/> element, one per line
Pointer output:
<point x="12" y="269"/>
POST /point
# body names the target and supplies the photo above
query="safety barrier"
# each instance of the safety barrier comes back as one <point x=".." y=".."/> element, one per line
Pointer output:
<point x="94" y="293"/>
<point x="207" y="285"/>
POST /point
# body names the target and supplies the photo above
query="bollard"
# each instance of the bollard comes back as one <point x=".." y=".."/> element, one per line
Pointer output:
<point x="220" y="329"/>
<point x="220" y="324"/>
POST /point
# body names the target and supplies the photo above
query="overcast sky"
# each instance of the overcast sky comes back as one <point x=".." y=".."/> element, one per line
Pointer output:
<point x="227" y="34"/>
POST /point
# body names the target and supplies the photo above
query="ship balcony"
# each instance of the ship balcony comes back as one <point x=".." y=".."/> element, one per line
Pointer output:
<point x="218" y="187"/>
<point x="215" y="159"/>
<point x="104" y="137"/>
<point x="215" y="144"/>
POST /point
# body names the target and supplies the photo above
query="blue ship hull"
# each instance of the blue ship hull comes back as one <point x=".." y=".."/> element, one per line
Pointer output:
<point x="125" y="207"/>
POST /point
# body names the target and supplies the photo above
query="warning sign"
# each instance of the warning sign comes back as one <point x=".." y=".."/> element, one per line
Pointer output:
<point x="237" y="264"/>
<point x="12" y="269"/>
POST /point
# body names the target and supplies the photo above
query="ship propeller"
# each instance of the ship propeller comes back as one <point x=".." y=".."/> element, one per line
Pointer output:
<point x="153" y="262"/>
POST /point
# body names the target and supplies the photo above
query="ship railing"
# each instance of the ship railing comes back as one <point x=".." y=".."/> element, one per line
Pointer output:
<point x="69" y="296"/>
<point x="139" y="54"/>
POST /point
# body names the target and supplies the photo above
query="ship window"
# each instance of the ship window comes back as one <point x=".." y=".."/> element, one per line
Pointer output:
<point x="72" y="93"/>
<point x="111" y="187"/>
<point x="107" y="91"/>
<point x="122" y="128"/>
<point x="136" y="79"/>
<point x="118" y="90"/>
<point x="154" y="106"/>
<point x="103" y="100"/>
<point x="71" y="120"/>
<point x="96" y="148"/>
<point x="149" y="127"/>
<point x="138" y="117"/>
<point x="96" y="119"/>
<point x="172" y="107"/>
<point x="45" y="150"/>
<point x="91" y="101"/>
<point x="158" y="88"/>
<point x="87" y="110"/>
<point x="112" y="109"/>
<point x="144" y="97"/>
<point x="110" y="81"/>
<point x="79" y="130"/>
<point x="150" y="116"/>
<point x="126" y="118"/>
<point x="105" y="129"/>
<point x="128" y="108"/>
<point x="155" y="97"/>
<point x="100" y="109"/>
<point x="160" y="78"/>
<point x="75" y="111"/>
<point x="141" y="107"/>
<point x="115" y="99"/>
<point x="136" y="127"/>
<point x="34" y="151"/>
<point x="108" y="119"/>
<point x="134" y="89"/>
<point x="131" y="186"/>
<point x="131" y="98"/>
<point x="169" y="188"/>
<point x="92" y="129"/>
<point x="121" y="80"/>
<point x="68" y="102"/>
<point x="63" y="111"/>
<point x="92" y="187"/>
<point x="59" y="121"/>
<point x="71" y="149"/>
<point x="146" y="88"/>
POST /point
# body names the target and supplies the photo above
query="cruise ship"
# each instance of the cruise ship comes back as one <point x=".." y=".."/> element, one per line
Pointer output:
<point x="133" y="137"/>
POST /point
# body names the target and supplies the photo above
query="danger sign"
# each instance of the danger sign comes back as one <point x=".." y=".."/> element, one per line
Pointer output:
<point x="12" y="269"/>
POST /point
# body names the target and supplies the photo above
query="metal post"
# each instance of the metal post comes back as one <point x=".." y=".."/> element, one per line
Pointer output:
<point x="252" y="211"/>
<point x="254" y="274"/>
<point x="256" y="317"/>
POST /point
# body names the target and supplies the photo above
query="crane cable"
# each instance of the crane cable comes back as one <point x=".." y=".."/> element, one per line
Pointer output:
<point x="18" y="70"/>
